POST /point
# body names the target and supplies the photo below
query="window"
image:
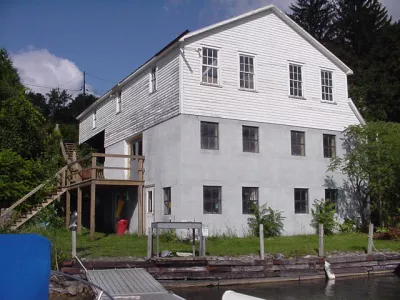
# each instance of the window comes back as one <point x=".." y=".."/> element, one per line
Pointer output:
<point x="249" y="198"/>
<point x="301" y="201"/>
<point x="296" y="80"/>
<point x="298" y="143"/>
<point x="167" y="201"/>
<point x="329" y="145"/>
<point x="209" y="69"/>
<point x="94" y="117"/>
<point x="149" y="201"/>
<point x="119" y="96"/>
<point x="326" y="85"/>
<point x="212" y="199"/>
<point x="209" y="135"/>
<point x="250" y="139"/>
<point x="331" y="196"/>
<point x="153" y="80"/>
<point x="246" y="72"/>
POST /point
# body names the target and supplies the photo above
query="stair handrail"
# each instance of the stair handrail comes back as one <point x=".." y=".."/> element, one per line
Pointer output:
<point x="40" y="186"/>
<point x="63" y="151"/>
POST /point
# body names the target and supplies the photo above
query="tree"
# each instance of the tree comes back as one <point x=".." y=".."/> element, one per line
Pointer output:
<point x="315" y="16"/>
<point x="39" y="101"/>
<point x="58" y="102"/>
<point x="80" y="103"/>
<point x="372" y="168"/>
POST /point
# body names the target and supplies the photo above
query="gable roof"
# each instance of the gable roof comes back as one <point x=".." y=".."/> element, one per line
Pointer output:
<point x="285" y="19"/>
<point x="133" y="74"/>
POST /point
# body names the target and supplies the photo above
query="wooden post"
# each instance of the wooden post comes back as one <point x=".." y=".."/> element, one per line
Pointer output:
<point x="94" y="164"/>
<point x="79" y="204"/>
<point x="370" y="238"/>
<point x="140" y="210"/>
<point x="149" y="242"/>
<point x="157" y="243"/>
<point x="194" y="242"/>
<point x="67" y="208"/>
<point x="321" y="240"/>
<point x="140" y="169"/>
<point x="92" y="209"/>
<point x="262" y="241"/>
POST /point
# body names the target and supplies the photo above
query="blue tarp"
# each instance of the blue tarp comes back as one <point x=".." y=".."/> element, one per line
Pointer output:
<point x="25" y="267"/>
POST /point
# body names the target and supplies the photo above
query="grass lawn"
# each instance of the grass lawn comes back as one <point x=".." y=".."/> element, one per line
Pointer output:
<point x="119" y="246"/>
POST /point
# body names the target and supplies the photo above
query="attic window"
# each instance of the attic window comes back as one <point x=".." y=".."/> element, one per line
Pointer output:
<point x="296" y="80"/>
<point x="119" y="100"/>
<point x="209" y="70"/>
<point x="94" y="117"/>
<point x="326" y="85"/>
<point x="153" y="80"/>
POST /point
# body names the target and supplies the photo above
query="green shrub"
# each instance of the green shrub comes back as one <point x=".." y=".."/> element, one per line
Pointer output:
<point x="348" y="226"/>
<point x="324" y="213"/>
<point x="271" y="219"/>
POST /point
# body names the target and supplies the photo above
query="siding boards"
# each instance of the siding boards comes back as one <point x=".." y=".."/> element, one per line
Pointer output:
<point x="140" y="110"/>
<point x="274" y="44"/>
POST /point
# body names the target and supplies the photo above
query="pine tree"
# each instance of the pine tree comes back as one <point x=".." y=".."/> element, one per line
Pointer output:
<point x="315" y="16"/>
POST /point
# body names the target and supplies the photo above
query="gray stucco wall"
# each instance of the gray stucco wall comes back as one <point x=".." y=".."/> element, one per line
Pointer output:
<point x="174" y="158"/>
<point x="274" y="170"/>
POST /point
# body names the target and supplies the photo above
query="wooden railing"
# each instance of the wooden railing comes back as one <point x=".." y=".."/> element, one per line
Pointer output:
<point x="92" y="167"/>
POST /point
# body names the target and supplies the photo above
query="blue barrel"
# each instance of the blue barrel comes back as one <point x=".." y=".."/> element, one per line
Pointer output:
<point x="25" y="266"/>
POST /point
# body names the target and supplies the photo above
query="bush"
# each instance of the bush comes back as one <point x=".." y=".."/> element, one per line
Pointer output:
<point x="271" y="219"/>
<point x="324" y="213"/>
<point x="348" y="226"/>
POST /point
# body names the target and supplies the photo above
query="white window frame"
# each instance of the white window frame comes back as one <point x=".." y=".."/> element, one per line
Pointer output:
<point x="217" y="66"/>
<point x="333" y="85"/>
<point x="119" y="102"/>
<point x="153" y="87"/>
<point x="253" y="56"/>
<point x="94" y="118"/>
<point x="301" y="65"/>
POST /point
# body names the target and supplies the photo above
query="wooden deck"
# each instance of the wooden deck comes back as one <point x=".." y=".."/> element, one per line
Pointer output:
<point x="90" y="171"/>
<point x="129" y="284"/>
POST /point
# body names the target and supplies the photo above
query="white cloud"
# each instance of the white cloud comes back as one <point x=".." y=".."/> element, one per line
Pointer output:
<point x="38" y="67"/>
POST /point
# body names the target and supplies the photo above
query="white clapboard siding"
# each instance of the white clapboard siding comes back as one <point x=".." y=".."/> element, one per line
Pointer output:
<point x="273" y="43"/>
<point x="140" y="109"/>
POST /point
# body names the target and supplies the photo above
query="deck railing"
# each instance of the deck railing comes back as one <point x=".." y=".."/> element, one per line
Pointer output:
<point x="95" y="165"/>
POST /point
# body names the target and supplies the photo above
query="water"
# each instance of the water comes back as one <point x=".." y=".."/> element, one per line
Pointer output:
<point x="357" y="289"/>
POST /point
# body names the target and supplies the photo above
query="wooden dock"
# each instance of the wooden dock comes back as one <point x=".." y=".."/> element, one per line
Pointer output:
<point x="129" y="284"/>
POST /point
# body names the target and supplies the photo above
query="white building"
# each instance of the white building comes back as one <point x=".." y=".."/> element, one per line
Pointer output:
<point x="248" y="109"/>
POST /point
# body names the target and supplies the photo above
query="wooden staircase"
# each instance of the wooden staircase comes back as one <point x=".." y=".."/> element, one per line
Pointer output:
<point x="70" y="149"/>
<point x="18" y="219"/>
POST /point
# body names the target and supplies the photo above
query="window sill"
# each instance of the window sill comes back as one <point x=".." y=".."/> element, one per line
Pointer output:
<point x="151" y="93"/>
<point x="329" y="102"/>
<point x="298" y="98"/>
<point x="211" y="84"/>
<point x="118" y="112"/>
<point x="251" y="152"/>
<point x="300" y="156"/>
<point x="248" y="90"/>
<point x="301" y="214"/>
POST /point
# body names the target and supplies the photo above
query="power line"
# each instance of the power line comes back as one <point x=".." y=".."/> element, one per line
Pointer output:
<point x="48" y="87"/>
<point x="94" y="76"/>
<point x="70" y="80"/>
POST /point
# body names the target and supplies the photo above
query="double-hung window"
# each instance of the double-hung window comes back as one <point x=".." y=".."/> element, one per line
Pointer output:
<point x="210" y="67"/>
<point x="331" y="196"/>
<point x="298" y="142"/>
<point x="211" y="199"/>
<point x="329" y="145"/>
<point x="209" y="135"/>
<point x="119" y="101"/>
<point x="301" y="201"/>
<point x="249" y="199"/>
<point x="94" y="118"/>
<point x="250" y="139"/>
<point x="246" y="76"/>
<point x="167" y="201"/>
<point x="326" y="85"/>
<point x="296" y="80"/>
<point x="153" y="79"/>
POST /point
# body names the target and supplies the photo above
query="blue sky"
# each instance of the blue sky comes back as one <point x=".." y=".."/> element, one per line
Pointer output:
<point x="52" y="41"/>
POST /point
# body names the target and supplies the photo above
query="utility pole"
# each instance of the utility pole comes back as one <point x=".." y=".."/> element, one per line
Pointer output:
<point x="84" y="88"/>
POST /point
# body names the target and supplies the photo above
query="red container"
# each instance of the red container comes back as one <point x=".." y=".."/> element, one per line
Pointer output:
<point x="122" y="225"/>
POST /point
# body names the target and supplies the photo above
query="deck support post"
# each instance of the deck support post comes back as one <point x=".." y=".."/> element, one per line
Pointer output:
<point x="321" y="240"/>
<point x="149" y="242"/>
<point x="140" y="210"/>
<point x="67" y="208"/>
<point x="92" y="210"/>
<point x="261" y="233"/>
<point x="79" y="207"/>
<point x="370" y="238"/>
